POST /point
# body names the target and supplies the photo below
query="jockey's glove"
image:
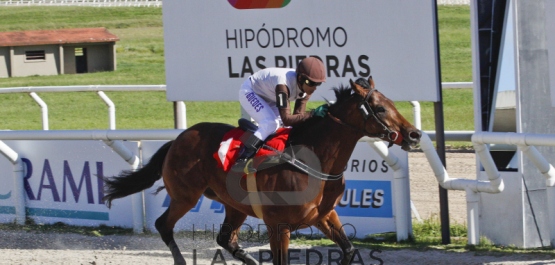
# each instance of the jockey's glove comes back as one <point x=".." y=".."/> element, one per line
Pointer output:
<point x="320" y="111"/>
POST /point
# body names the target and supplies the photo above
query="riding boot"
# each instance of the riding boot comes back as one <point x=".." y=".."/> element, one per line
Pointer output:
<point x="247" y="152"/>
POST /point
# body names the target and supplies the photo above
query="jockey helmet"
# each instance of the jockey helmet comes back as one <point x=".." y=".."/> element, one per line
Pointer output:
<point x="313" y="69"/>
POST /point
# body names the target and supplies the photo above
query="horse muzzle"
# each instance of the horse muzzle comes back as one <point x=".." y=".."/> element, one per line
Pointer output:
<point x="412" y="139"/>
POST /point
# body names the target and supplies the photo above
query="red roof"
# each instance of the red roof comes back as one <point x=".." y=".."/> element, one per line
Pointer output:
<point x="59" y="36"/>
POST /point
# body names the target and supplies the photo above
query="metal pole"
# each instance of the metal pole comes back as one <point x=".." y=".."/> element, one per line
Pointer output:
<point x="180" y="115"/>
<point x="440" y="143"/>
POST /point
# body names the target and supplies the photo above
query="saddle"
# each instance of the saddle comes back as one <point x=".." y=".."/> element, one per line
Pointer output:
<point x="231" y="143"/>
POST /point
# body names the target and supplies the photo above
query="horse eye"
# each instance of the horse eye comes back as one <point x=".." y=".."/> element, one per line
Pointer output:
<point x="380" y="109"/>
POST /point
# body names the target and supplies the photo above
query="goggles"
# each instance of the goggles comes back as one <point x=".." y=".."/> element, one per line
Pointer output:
<point x="312" y="84"/>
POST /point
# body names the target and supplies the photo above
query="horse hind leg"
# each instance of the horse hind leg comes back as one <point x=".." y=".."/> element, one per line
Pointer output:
<point x="279" y="243"/>
<point x="229" y="235"/>
<point x="166" y="222"/>
<point x="333" y="229"/>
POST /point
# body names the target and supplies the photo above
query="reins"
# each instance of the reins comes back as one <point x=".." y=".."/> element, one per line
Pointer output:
<point x="368" y="112"/>
<point x="302" y="166"/>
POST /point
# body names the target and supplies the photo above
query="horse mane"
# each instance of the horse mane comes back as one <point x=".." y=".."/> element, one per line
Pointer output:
<point x="342" y="94"/>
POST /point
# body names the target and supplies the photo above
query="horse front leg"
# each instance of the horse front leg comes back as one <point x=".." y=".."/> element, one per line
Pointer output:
<point x="229" y="235"/>
<point x="332" y="227"/>
<point x="279" y="244"/>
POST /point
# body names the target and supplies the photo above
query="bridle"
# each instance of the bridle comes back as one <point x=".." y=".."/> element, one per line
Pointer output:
<point x="367" y="112"/>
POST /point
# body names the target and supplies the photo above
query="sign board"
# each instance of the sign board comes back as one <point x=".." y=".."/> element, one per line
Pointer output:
<point x="7" y="194"/>
<point x="550" y="36"/>
<point x="211" y="47"/>
<point x="62" y="184"/>
<point x="367" y="199"/>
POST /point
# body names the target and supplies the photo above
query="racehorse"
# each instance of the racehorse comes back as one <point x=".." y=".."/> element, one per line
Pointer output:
<point x="189" y="170"/>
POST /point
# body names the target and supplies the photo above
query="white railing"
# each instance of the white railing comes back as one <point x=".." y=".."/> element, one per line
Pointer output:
<point x="483" y="143"/>
<point x="526" y="143"/>
<point x="181" y="117"/>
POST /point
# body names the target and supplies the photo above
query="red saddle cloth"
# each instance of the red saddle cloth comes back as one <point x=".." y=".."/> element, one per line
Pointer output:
<point x="231" y="145"/>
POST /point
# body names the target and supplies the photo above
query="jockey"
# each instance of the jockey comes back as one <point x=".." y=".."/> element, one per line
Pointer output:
<point x="265" y="96"/>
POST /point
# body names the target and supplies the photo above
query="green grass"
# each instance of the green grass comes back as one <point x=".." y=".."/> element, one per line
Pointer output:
<point x="35" y="18"/>
<point x="140" y="51"/>
<point x="427" y="236"/>
<point x="140" y="60"/>
<point x="454" y="38"/>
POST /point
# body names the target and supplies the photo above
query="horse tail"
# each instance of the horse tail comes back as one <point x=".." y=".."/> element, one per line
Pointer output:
<point x="129" y="181"/>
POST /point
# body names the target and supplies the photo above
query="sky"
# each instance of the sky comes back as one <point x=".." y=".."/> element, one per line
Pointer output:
<point x="507" y="80"/>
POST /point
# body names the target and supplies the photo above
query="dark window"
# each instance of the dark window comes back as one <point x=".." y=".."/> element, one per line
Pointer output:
<point x="81" y="60"/>
<point x="35" y="55"/>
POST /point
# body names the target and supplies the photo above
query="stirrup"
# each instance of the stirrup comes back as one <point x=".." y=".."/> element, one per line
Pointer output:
<point x="245" y="167"/>
<point x="251" y="145"/>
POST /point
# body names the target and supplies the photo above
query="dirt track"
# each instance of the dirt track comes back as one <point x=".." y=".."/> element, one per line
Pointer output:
<point x="424" y="188"/>
<point x="33" y="248"/>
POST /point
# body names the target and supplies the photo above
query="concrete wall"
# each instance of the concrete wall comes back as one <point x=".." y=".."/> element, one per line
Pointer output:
<point x="48" y="66"/>
<point x="99" y="58"/>
<point x="69" y="60"/>
<point x="534" y="108"/>
<point x="4" y="61"/>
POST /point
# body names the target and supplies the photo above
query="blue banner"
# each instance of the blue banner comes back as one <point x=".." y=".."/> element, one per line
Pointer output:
<point x="366" y="199"/>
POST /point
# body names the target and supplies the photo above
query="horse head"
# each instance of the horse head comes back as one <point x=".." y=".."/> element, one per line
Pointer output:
<point x="367" y="110"/>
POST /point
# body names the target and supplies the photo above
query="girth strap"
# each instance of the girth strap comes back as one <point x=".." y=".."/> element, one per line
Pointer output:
<point x="254" y="198"/>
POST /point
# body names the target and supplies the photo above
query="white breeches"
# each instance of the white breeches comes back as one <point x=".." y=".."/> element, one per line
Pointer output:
<point x="268" y="118"/>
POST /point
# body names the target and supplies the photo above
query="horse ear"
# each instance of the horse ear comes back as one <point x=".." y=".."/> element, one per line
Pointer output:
<point x="358" y="89"/>
<point x="371" y="81"/>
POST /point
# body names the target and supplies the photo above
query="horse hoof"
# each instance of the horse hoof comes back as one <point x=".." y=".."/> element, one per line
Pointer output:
<point x="176" y="254"/>
<point x="245" y="257"/>
<point x="179" y="261"/>
<point x="251" y="261"/>
<point x="347" y="258"/>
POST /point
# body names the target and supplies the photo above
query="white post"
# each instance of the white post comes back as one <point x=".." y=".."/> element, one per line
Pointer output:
<point x="550" y="190"/>
<point x="111" y="109"/>
<point x="137" y="198"/>
<point x="401" y="190"/>
<point x="416" y="114"/>
<point x="43" y="108"/>
<point x="472" y="215"/>
<point x="181" y="115"/>
<point x="418" y="124"/>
